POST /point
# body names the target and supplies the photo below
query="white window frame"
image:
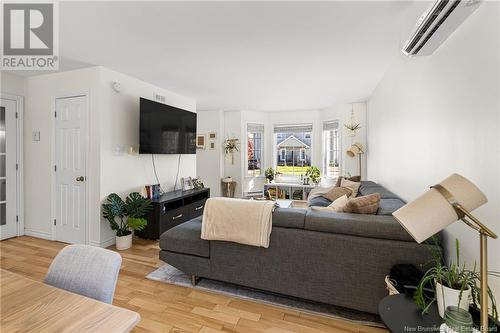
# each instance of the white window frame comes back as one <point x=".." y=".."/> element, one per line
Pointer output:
<point x="262" y="152"/>
<point x="324" y="148"/>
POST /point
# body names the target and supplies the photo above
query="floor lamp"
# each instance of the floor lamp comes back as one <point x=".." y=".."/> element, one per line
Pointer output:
<point x="451" y="200"/>
<point x="356" y="149"/>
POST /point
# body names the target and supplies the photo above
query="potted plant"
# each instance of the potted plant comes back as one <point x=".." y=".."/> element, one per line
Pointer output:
<point x="269" y="173"/>
<point x="230" y="146"/>
<point x="125" y="216"/>
<point x="453" y="285"/>
<point x="314" y="174"/>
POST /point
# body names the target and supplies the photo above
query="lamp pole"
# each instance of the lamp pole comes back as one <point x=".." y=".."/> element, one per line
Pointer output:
<point x="484" y="281"/>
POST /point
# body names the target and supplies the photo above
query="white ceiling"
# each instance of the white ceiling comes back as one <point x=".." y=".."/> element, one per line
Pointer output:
<point x="242" y="55"/>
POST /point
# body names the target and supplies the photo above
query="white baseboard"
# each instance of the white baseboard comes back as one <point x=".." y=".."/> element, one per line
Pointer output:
<point x="38" y="234"/>
<point x="105" y="243"/>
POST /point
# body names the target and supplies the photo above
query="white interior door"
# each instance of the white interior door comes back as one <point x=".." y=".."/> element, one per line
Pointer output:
<point x="70" y="169"/>
<point x="8" y="169"/>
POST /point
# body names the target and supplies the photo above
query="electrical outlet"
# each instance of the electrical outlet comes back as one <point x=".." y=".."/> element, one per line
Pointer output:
<point x="36" y="135"/>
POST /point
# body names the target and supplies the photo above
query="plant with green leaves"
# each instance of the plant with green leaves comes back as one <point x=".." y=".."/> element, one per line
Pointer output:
<point x="128" y="215"/>
<point x="269" y="173"/>
<point x="231" y="145"/>
<point x="313" y="173"/>
<point x="455" y="276"/>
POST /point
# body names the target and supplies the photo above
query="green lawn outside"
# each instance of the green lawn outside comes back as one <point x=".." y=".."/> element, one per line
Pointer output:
<point x="291" y="169"/>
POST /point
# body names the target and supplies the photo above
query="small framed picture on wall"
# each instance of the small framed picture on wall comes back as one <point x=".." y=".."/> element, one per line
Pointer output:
<point x="212" y="136"/>
<point x="211" y="145"/>
<point x="200" y="141"/>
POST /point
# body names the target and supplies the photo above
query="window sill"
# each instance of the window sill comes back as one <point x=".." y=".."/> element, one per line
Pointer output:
<point x="253" y="177"/>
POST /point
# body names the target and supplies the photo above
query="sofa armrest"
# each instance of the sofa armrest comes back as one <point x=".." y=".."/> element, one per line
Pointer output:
<point x="372" y="226"/>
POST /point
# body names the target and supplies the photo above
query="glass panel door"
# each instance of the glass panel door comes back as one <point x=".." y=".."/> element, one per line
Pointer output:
<point x="3" y="178"/>
<point x="8" y="170"/>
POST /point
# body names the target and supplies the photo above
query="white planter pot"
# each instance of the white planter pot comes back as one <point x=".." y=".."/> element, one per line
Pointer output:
<point x="447" y="297"/>
<point x="124" y="242"/>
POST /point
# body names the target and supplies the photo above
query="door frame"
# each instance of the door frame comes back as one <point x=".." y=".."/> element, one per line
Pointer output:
<point x="19" y="100"/>
<point x="53" y="203"/>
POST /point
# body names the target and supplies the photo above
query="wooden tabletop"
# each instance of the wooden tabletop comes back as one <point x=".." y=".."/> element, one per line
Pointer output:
<point x="31" y="306"/>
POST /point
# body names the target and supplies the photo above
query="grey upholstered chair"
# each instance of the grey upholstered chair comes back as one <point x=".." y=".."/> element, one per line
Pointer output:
<point x="86" y="270"/>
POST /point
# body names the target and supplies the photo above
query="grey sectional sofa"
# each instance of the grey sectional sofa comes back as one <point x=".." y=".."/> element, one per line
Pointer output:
<point x="333" y="258"/>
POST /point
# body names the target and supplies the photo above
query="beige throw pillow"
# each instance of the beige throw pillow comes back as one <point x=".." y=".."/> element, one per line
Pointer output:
<point x="356" y="179"/>
<point x="354" y="186"/>
<point x="367" y="204"/>
<point x="336" y="206"/>
<point x="337" y="192"/>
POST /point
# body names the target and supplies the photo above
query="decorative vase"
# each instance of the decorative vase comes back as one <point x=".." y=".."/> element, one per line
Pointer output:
<point x="458" y="320"/>
<point x="124" y="242"/>
<point x="450" y="297"/>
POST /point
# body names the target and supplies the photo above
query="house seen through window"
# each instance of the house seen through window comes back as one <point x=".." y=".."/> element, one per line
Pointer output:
<point x="293" y="149"/>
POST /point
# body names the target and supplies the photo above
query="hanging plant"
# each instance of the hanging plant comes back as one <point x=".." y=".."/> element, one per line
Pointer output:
<point x="353" y="126"/>
<point x="230" y="146"/>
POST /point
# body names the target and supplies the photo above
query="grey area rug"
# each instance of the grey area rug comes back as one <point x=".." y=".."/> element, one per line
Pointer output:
<point x="170" y="274"/>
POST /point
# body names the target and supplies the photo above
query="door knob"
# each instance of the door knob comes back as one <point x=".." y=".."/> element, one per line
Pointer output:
<point x="80" y="179"/>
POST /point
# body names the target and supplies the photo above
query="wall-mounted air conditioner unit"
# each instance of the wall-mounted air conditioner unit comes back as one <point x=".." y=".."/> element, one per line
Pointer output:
<point x="436" y="24"/>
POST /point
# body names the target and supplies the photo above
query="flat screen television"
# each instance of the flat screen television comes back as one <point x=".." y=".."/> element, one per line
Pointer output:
<point x="165" y="129"/>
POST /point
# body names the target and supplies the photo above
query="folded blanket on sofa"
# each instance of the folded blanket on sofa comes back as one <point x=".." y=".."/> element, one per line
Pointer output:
<point x="236" y="220"/>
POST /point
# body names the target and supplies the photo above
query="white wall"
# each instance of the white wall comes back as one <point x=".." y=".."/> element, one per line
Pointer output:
<point x="432" y="116"/>
<point x="342" y="113"/>
<point x="210" y="163"/>
<point x="232" y="130"/>
<point x="114" y="123"/>
<point x="12" y="84"/>
<point x="38" y="165"/>
<point x="121" y="172"/>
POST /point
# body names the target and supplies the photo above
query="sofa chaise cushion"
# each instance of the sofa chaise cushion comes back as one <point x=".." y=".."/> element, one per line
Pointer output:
<point x="362" y="225"/>
<point x="186" y="238"/>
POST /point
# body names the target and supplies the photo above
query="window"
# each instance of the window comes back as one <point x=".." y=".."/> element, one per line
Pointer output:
<point x="293" y="149"/>
<point x="331" y="137"/>
<point x="282" y="155"/>
<point x="255" y="137"/>
<point x="302" y="154"/>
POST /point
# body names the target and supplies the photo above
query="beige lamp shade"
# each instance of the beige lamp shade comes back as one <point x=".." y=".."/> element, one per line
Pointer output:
<point x="355" y="149"/>
<point x="431" y="212"/>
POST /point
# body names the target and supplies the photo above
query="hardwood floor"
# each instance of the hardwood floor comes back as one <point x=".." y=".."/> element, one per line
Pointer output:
<point x="168" y="308"/>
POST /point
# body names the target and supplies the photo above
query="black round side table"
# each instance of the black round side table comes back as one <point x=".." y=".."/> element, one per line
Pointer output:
<point x="400" y="314"/>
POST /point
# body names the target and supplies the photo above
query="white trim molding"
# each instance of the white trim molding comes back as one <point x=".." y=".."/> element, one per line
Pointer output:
<point x="19" y="159"/>
<point x="105" y="243"/>
<point x="38" y="234"/>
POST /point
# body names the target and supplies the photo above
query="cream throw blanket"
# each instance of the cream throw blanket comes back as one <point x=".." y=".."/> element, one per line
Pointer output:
<point x="236" y="220"/>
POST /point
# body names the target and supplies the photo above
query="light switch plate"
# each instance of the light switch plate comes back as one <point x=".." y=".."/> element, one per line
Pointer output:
<point x="36" y="135"/>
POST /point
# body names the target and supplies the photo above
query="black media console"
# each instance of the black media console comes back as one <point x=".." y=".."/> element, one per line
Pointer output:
<point x="174" y="208"/>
